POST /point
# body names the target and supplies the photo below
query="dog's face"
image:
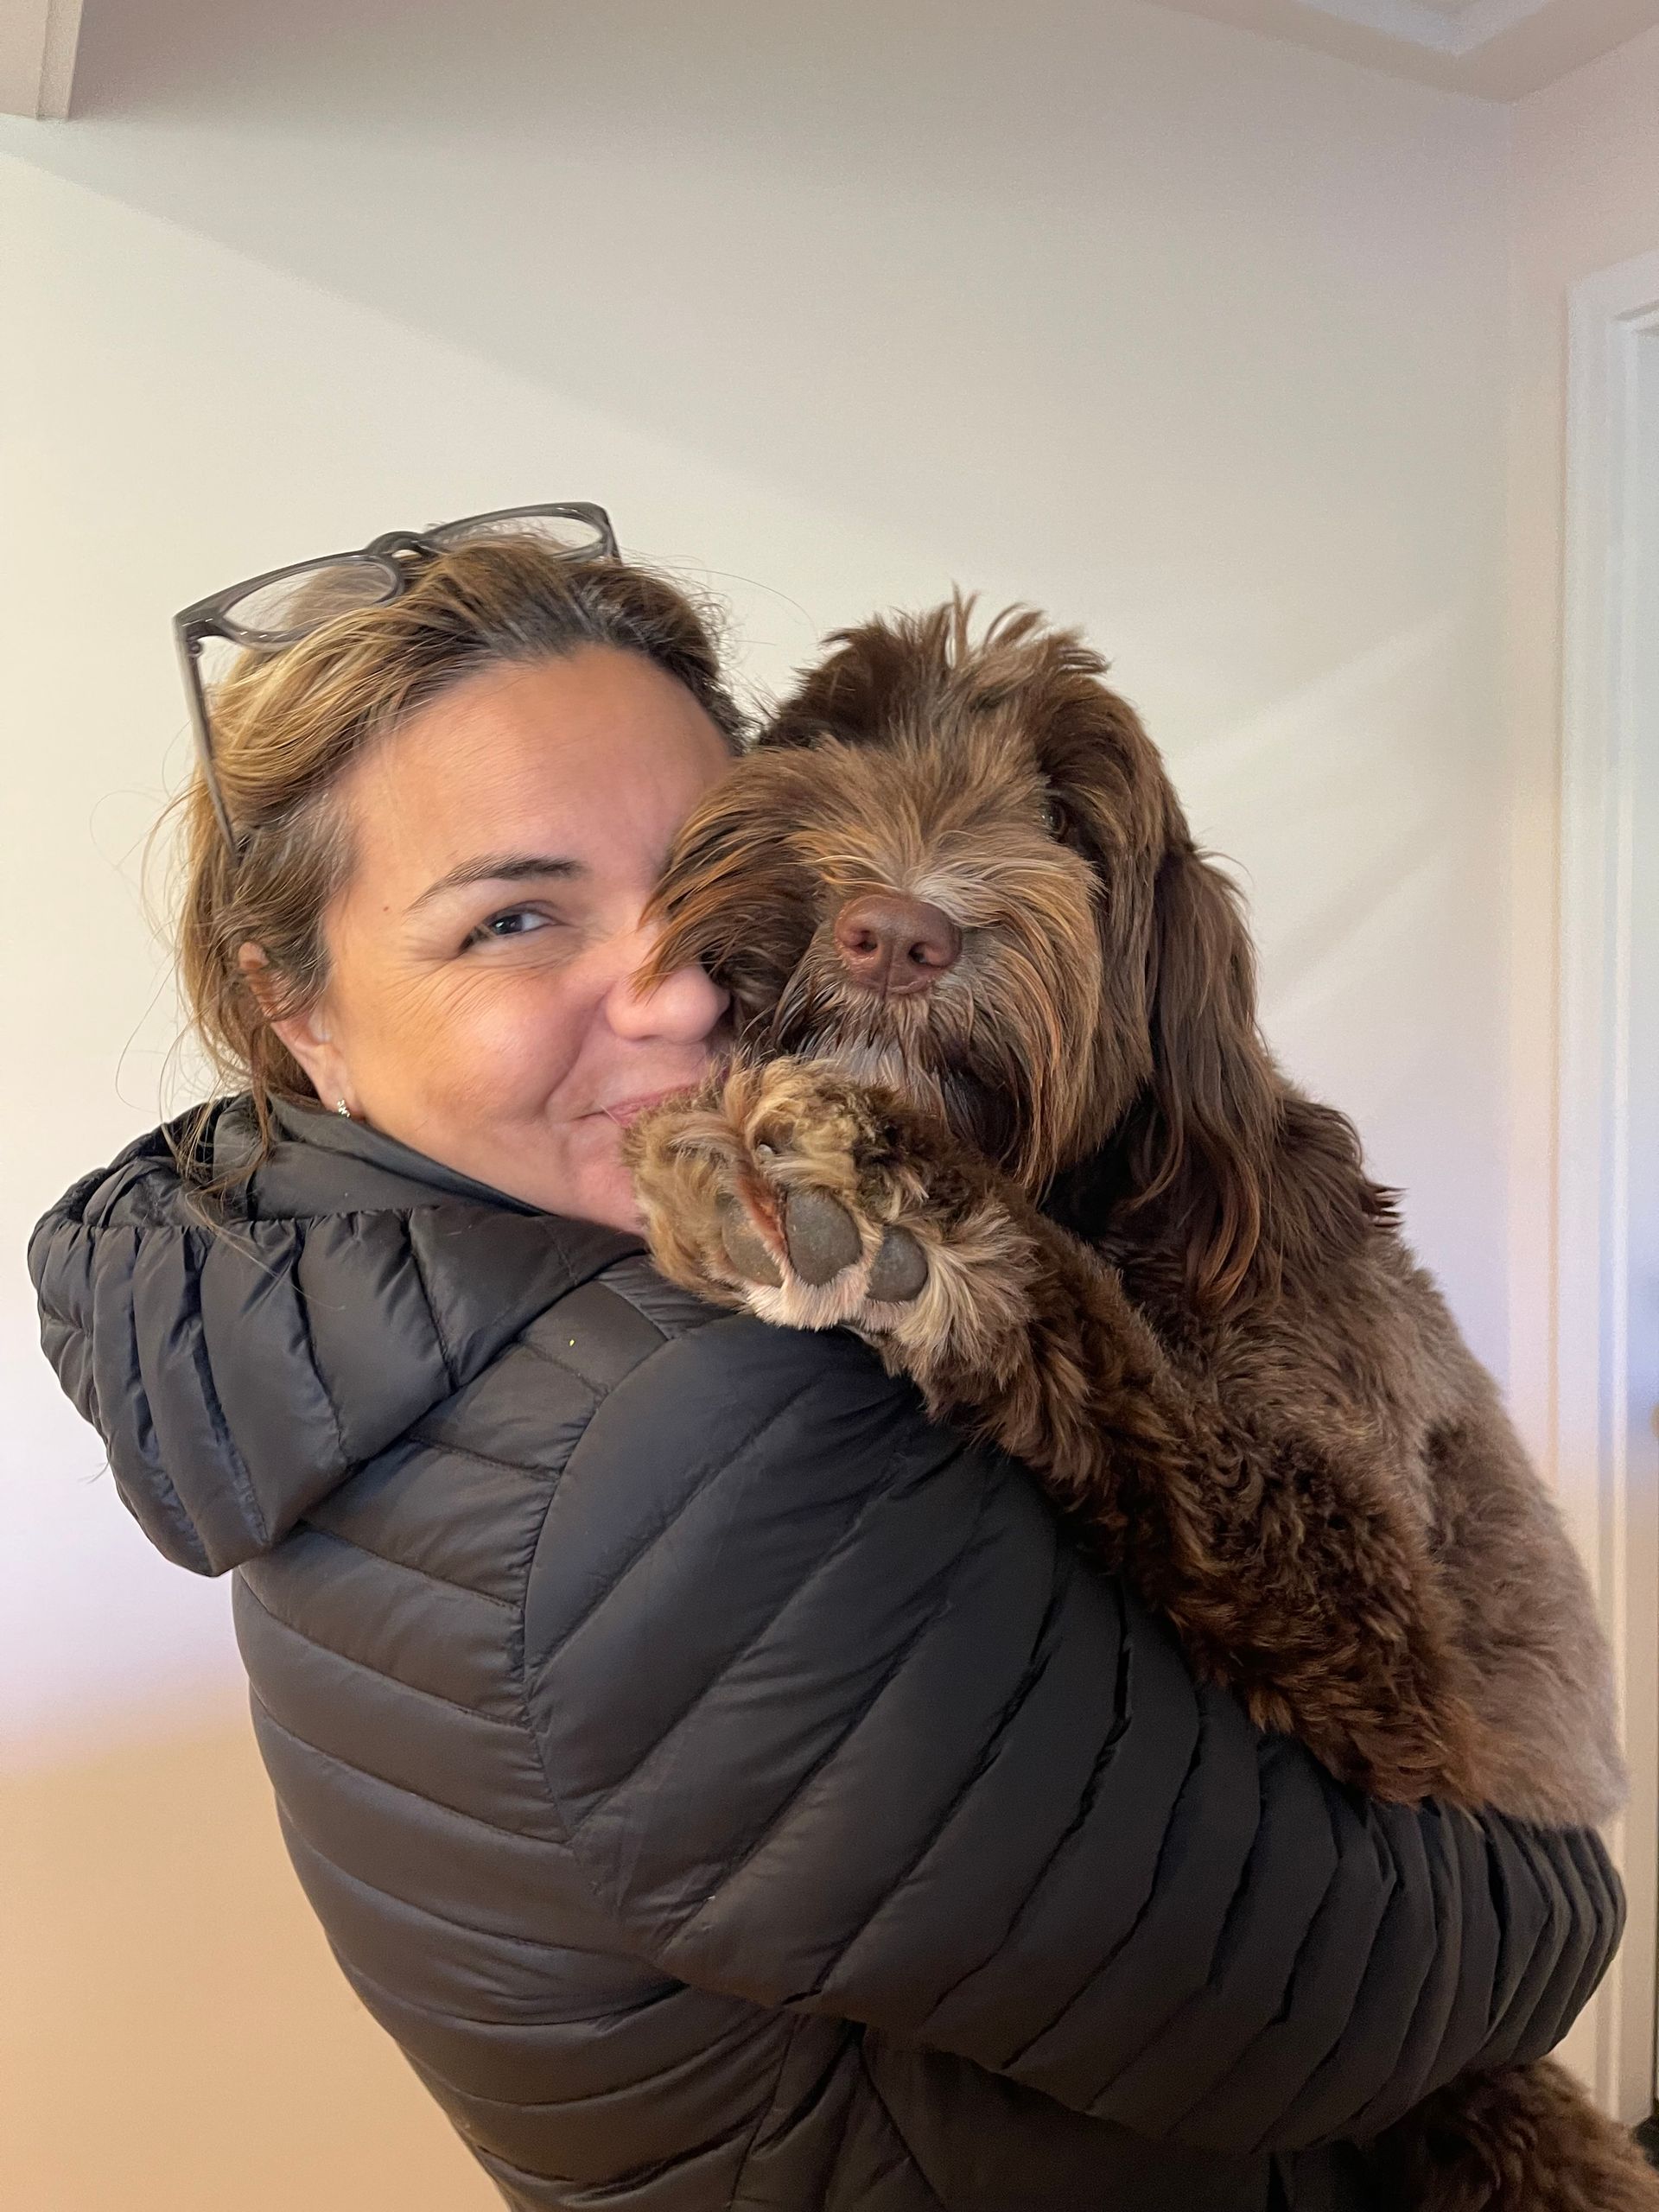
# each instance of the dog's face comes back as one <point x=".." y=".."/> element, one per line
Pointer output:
<point x="942" y="868"/>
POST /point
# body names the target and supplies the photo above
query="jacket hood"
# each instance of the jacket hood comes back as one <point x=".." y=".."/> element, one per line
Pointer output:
<point x="240" y="1368"/>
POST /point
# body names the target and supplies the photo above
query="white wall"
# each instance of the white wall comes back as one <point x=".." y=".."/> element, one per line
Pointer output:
<point x="1191" y="337"/>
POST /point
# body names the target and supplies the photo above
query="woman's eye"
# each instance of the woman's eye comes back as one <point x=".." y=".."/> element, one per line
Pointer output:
<point x="516" y="921"/>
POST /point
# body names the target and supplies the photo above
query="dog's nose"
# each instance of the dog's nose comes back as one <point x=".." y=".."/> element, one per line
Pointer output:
<point x="895" y="945"/>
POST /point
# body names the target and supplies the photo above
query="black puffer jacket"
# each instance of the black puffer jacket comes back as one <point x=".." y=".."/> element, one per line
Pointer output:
<point x="727" y="1789"/>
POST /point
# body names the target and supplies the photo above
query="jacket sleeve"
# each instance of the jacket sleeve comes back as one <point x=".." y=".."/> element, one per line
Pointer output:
<point x="837" y="1718"/>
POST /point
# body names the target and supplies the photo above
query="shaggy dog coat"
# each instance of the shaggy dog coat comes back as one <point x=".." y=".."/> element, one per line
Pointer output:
<point x="1002" y="1106"/>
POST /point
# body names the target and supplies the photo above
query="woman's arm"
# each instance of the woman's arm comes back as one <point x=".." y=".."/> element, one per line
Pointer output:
<point x="837" y="1718"/>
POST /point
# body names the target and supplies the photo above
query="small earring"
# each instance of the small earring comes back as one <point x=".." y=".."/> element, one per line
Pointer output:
<point x="341" y="1107"/>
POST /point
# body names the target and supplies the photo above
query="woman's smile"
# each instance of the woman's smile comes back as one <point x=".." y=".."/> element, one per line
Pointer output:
<point x="624" y="1111"/>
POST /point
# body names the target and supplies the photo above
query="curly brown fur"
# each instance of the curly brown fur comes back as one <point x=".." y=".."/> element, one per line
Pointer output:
<point x="1524" y="2135"/>
<point x="1058" y="1180"/>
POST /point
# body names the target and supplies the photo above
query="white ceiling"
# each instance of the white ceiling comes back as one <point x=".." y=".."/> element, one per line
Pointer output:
<point x="1500" y="49"/>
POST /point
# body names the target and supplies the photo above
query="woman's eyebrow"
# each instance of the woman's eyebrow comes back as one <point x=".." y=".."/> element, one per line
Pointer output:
<point x="500" y="868"/>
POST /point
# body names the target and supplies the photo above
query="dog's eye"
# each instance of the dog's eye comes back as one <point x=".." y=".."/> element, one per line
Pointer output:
<point x="1056" y="820"/>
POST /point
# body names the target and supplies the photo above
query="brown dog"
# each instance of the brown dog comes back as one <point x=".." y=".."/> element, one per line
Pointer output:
<point x="1002" y="1106"/>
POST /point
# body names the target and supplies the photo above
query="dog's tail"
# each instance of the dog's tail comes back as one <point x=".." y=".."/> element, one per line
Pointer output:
<point x="1525" y="2139"/>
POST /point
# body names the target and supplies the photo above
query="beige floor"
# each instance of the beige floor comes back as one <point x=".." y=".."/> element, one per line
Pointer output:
<point x="174" y="2035"/>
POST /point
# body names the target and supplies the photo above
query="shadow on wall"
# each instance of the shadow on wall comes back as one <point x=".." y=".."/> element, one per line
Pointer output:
<point x="940" y="266"/>
<point x="175" y="2035"/>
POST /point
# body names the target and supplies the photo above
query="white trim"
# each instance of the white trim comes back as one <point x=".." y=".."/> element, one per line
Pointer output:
<point x="1418" y="24"/>
<point x="1613" y="390"/>
<point x="37" y="57"/>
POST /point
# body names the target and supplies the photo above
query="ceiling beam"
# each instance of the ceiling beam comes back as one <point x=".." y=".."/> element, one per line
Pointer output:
<point x="1457" y="31"/>
<point x="37" y="57"/>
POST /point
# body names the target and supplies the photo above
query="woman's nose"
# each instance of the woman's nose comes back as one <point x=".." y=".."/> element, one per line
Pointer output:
<point x="684" y="1007"/>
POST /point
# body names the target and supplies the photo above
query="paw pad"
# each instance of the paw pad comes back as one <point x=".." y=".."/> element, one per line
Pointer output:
<point x="822" y="1236"/>
<point x="744" y="1248"/>
<point x="899" y="1272"/>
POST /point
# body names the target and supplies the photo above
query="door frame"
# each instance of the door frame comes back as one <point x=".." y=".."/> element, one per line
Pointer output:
<point x="1610" y="762"/>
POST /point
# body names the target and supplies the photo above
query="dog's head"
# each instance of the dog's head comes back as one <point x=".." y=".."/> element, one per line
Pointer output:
<point x="957" y="867"/>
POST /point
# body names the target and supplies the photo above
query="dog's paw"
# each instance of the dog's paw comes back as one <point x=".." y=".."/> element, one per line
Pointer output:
<point x="779" y="1189"/>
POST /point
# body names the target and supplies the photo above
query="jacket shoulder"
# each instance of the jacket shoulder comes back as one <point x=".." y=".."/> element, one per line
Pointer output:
<point x="603" y="1329"/>
<point x="607" y="1329"/>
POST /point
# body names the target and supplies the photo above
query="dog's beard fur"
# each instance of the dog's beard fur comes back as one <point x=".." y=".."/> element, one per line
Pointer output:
<point x="994" y="1045"/>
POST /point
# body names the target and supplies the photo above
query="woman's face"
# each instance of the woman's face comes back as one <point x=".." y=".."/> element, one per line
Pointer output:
<point x="479" y="1005"/>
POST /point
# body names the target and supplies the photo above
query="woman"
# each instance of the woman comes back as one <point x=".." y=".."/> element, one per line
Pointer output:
<point x="729" y="1789"/>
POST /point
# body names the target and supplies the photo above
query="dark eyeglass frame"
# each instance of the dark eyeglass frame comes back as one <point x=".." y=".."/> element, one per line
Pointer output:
<point x="396" y="555"/>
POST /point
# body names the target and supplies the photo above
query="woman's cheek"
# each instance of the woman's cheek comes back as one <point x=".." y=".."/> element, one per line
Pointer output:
<point x="509" y="1040"/>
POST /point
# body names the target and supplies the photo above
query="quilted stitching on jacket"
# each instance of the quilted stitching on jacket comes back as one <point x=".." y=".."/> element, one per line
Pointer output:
<point x="730" y="1791"/>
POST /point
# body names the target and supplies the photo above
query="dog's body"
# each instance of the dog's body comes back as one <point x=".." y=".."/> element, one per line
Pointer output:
<point x="1003" y="1108"/>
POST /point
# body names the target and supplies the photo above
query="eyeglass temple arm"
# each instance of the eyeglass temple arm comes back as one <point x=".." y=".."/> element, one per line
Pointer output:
<point x="188" y="636"/>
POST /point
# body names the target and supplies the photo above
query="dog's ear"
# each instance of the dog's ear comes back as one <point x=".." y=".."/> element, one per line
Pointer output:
<point x="1101" y="766"/>
<point x="1216" y="1097"/>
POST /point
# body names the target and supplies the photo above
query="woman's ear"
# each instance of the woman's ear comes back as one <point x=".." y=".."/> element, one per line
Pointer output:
<point x="1216" y="1095"/>
<point x="306" y="1033"/>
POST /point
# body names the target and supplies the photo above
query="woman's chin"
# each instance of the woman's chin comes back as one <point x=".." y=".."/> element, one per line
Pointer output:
<point x="603" y="1188"/>
<point x="605" y="1194"/>
<point x="574" y="1168"/>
